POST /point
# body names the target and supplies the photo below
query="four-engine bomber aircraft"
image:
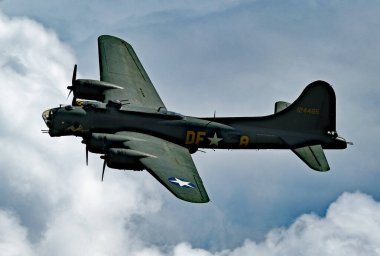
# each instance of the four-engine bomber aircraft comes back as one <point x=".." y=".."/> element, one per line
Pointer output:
<point x="123" y="118"/>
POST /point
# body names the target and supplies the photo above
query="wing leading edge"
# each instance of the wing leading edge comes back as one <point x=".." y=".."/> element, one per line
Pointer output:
<point x="171" y="165"/>
<point x="120" y="65"/>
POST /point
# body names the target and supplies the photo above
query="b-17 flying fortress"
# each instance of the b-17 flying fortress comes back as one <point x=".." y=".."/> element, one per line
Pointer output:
<point x="122" y="117"/>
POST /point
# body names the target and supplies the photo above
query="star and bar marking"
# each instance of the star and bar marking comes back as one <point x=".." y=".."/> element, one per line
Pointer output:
<point x="196" y="137"/>
<point x="214" y="140"/>
<point x="181" y="183"/>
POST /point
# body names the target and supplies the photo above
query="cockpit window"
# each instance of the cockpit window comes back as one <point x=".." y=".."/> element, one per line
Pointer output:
<point x="171" y="113"/>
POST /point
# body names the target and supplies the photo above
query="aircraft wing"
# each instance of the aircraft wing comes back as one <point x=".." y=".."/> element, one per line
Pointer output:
<point x="120" y="65"/>
<point x="170" y="164"/>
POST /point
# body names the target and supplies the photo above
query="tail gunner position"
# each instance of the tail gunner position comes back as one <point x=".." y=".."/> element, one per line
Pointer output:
<point x="123" y="118"/>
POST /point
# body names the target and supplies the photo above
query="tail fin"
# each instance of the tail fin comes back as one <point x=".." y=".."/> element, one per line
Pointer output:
<point x="313" y="110"/>
<point x="317" y="99"/>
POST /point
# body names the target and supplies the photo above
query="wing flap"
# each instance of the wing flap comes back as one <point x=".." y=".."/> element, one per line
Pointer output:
<point x="172" y="166"/>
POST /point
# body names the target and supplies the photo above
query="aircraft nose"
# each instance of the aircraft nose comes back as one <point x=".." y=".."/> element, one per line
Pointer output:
<point x="47" y="116"/>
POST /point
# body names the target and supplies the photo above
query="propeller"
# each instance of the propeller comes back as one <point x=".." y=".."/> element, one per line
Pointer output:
<point x="86" y="155"/>
<point x="104" y="167"/>
<point x="72" y="86"/>
<point x="84" y="141"/>
<point x="105" y="156"/>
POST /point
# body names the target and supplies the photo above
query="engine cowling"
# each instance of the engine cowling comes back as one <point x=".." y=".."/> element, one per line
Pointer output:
<point x="125" y="159"/>
<point x="99" y="143"/>
<point x="91" y="89"/>
<point x="123" y="163"/>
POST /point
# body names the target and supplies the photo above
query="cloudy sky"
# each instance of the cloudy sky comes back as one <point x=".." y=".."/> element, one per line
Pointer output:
<point x="235" y="57"/>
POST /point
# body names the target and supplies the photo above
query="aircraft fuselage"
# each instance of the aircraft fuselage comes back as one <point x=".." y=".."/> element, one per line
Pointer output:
<point x="187" y="131"/>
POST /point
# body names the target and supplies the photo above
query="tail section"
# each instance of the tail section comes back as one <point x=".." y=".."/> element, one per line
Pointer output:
<point x="313" y="111"/>
<point x="307" y="126"/>
<point x="317" y="105"/>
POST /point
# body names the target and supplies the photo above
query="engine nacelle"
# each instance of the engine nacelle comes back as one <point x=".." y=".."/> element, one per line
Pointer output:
<point x="123" y="163"/>
<point x="91" y="89"/>
<point x="99" y="143"/>
<point x="125" y="159"/>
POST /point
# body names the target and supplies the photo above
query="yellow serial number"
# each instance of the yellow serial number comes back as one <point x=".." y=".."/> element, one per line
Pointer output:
<point x="310" y="111"/>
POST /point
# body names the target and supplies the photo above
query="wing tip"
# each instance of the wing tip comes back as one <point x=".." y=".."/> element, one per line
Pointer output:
<point x="201" y="201"/>
<point x="111" y="38"/>
<point x="191" y="199"/>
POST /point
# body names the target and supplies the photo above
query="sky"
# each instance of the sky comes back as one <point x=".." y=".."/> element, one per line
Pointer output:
<point x="233" y="57"/>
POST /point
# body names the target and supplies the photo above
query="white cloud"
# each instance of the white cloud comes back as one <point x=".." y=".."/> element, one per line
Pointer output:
<point x="351" y="227"/>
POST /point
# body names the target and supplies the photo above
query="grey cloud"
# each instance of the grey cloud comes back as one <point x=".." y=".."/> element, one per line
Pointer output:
<point x="15" y="64"/>
<point x="13" y="237"/>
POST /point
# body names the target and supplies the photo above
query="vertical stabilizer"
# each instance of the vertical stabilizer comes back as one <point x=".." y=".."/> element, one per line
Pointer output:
<point x="313" y="111"/>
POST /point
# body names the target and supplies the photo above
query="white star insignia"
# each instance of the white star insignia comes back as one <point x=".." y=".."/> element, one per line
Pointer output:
<point x="214" y="140"/>
<point x="181" y="183"/>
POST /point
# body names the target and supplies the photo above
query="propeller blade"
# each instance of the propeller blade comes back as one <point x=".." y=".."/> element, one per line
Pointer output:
<point x="71" y="87"/>
<point x="69" y="93"/>
<point x="86" y="155"/>
<point x="104" y="167"/>
<point x="74" y="75"/>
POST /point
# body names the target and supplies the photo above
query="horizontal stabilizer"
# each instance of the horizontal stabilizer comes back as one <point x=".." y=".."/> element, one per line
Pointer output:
<point x="314" y="157"/>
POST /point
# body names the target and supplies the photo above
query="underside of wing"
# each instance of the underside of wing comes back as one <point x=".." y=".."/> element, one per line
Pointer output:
<point x="120" y="65"/>
<point x="170" y="164"/>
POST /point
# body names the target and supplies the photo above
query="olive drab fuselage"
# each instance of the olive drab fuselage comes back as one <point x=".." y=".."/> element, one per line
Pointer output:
<point x="190" y="132"/>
